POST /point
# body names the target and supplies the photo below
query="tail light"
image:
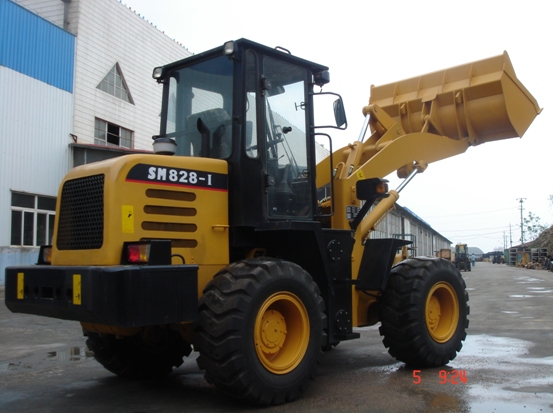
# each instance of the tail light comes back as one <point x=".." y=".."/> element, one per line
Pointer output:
<point x="153" y="252"/>
<point x="45" y="255"/>
<point x="138" y="253"/>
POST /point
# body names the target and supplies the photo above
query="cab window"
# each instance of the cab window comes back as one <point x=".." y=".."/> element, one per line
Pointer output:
<point x="199" y="110"/>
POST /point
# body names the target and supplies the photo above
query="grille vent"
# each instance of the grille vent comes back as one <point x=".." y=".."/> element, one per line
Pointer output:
<point x="81" y="217"/>
<point x="182" y="226"/>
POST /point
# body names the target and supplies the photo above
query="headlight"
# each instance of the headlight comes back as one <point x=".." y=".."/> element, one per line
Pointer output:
<point x="159" y="73"/>
<point x="229" y="48"/>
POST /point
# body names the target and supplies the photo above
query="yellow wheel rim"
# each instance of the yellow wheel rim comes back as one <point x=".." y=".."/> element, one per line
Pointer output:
<point x="442" y="312"/>
<point x="281" y="332"/>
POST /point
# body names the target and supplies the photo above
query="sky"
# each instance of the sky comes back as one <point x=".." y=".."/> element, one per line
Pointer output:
<point x="472" y="198"/>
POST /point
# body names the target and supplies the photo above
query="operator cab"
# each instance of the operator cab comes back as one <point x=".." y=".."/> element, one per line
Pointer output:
<point x="251" y="106"/>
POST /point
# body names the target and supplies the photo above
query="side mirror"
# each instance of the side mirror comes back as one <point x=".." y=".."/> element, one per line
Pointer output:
<point x="324" y="106"/>
<point x="339" y="113"/>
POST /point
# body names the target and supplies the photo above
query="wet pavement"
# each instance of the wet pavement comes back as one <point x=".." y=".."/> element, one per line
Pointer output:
<point x="506" y="365"/>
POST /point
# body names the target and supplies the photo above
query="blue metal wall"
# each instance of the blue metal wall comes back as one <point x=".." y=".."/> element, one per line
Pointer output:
<point x="35" y="47"/>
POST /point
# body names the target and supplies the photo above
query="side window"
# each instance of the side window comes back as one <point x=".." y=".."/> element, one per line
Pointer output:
<point x="171" y="124"/>
<point x="252" y="78"/>
<point x="286" y="143"/>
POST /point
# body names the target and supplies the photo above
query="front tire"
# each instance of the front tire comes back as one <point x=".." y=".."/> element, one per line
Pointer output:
<point x="424" y="312"/>
<point x="260" y="330"/>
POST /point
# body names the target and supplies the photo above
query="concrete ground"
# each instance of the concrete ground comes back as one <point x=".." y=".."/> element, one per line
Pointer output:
<point x="507" y="359"/>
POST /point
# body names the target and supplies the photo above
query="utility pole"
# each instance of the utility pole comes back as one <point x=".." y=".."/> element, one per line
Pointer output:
<point x="521" y="200"/>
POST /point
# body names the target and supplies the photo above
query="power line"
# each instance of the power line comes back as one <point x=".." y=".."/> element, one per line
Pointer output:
<point x="477" y="235"/>
<point x="478" y="229"/>
<point x="468" y="214"/>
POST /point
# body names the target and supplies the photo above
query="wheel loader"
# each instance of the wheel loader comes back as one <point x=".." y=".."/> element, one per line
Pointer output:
<point x="462" y="257"/>
<point x="236" y="238"/>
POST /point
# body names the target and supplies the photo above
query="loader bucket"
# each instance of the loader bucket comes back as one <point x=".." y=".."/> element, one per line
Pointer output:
<point x="482" y="101"/>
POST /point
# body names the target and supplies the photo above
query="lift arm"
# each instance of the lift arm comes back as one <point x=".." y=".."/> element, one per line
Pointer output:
<point x="421" y="120"/>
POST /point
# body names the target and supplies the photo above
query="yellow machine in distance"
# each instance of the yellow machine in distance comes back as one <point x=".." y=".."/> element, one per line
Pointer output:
<point x="462" y="257"/>
<point x="231" y="238"/>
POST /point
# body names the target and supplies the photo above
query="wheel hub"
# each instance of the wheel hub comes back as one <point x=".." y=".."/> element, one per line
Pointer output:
<point x="442" y="312"/>
<point x="281" y="332"/>
<point x="273" y="332"/>
<point x="433" y="312"/>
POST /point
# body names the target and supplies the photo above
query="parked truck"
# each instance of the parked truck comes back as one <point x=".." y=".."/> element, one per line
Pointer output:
<point x="233" y="240"/>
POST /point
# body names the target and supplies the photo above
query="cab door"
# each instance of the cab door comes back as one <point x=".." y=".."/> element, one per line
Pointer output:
<point x="286" y="158"/>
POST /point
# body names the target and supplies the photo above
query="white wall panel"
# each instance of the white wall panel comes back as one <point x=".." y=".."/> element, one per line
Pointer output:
<point x="35" y="122"/>
<point x="109" y="32"/>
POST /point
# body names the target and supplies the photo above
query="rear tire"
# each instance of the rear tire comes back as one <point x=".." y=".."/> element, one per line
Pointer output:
<point x="260" y="330"/>
<point x="151" y="353"/>
<point x="424" y="312"/>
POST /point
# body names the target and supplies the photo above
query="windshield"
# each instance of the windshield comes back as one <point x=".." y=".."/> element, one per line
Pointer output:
<point x="199" y="109"/>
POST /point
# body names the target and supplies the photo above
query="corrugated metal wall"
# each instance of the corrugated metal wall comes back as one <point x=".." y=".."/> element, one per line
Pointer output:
<point x="35" y="47"/>
<point x="427" y="240"/>
<point x="110" y="33"/>
<point x="36" y="114"/>
<point x="51" y="10"/>
<point x="36" y="121"/>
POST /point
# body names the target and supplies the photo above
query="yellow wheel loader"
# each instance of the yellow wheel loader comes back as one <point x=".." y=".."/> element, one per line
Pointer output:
<point x="462" y="257"/>
<point x="235" y="239"/>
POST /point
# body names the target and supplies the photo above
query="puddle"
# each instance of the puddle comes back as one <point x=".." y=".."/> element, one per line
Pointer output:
<point x="502" y="377"/>
<point x="391" y="368"/>
<point x="499" y="350"/>
<point x="520" y="296"/>
<point x="527" y="280"/>
<point x="39" y="356"/>
<point x="70" y="354"/>
<point x="495" y="406"/>
<point x="489" y="346"/>
<point x="510" y="312"/>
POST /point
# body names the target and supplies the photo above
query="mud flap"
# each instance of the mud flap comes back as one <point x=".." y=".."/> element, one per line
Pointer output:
<point x="378" y="257"/>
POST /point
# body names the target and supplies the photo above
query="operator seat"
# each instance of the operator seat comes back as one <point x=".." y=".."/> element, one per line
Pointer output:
<point x="209" y="134"/>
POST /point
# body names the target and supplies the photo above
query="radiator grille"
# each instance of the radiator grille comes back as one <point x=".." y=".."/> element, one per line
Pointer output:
<point x="81" y="216"/>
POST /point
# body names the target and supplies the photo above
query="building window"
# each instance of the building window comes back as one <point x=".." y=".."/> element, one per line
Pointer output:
<point x="32" y="220"/>
<point x="108" y="134"/>
<point x="114" y="84"/>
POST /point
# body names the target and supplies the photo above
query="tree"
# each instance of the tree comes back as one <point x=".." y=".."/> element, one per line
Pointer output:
<point x="533" y="227"/>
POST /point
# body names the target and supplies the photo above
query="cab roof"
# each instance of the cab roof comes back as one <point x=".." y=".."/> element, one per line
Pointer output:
<point x="278" y="53"/>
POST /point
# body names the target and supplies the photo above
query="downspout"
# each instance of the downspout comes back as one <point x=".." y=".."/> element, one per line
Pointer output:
<point x="66" y="14"/>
